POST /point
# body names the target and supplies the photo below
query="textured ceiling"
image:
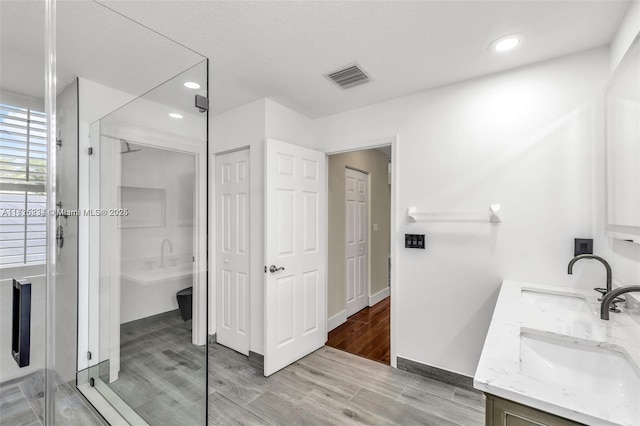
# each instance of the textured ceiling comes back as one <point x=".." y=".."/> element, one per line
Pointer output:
<point x="281" y="50"/>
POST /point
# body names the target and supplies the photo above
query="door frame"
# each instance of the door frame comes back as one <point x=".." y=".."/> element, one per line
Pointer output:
<point x="368" y="236"/>
<point x="392" y="141"/>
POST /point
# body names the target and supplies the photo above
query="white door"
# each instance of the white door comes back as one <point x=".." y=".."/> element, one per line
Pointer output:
<point x="295" y="241"/>
<point x="356" y="222"/>
<point x="232" y="250"/>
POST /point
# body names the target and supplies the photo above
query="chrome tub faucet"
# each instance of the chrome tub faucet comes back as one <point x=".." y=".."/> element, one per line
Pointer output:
<point x="600" y="290"/>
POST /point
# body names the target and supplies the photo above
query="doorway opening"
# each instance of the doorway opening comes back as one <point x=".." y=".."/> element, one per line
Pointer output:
<point x="359" y="247"/>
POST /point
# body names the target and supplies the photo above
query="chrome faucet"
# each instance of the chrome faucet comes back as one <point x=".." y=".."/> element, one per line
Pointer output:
<point x="609" y="297"/>
<point x="166" y="240"/>
<point x="600" y="290"/>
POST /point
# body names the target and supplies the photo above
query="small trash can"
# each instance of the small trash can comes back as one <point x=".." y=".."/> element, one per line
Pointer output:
<point x="185" y="298"/>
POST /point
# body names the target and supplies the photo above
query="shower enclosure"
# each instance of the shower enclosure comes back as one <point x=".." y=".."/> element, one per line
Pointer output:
<point x="147" y="243"/>
<point x="103" y="219"/>
<point x="32" y="389"/>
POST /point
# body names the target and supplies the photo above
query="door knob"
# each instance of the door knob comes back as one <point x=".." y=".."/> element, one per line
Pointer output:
<point x="226" y="261"/>
<point x="274" y="269"/>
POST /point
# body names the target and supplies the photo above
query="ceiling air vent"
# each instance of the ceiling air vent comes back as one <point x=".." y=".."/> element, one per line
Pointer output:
<point x="349" y="76"/>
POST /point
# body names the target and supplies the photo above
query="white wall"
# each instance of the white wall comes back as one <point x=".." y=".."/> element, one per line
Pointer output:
<point x="249" y="126"/>
<point x="287" y="125"/>
<point x="626" y="34"/>
<point x="623" y="256"/>
<point x="522" y="138"/>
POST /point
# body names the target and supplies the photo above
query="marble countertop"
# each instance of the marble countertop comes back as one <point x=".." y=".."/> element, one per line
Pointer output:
<point x="500" y="371"/>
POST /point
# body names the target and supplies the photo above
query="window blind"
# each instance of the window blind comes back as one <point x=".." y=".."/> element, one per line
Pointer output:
<point x="23" y="161"/>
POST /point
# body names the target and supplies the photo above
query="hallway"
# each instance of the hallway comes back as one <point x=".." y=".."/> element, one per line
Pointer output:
<point x="366" y="333"/>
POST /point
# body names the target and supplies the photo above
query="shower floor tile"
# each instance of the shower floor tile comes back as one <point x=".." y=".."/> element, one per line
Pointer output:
<point x="22" y="403"/>
<point x="15" y="408"/>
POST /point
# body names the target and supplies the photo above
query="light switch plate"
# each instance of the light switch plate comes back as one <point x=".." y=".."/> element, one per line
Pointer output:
<point x="414" y="241"/>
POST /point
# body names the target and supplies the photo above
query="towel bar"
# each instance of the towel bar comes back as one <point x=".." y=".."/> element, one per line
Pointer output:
<point x="21" y="323"/>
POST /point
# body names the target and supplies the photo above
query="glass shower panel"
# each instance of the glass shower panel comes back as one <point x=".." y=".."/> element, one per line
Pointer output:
<point x="34" y="377"/>
<point x="107" y="48"/>
<point x="25" y="291"/>
<point x="149" y="236"/>
<point x="105" y="61"/>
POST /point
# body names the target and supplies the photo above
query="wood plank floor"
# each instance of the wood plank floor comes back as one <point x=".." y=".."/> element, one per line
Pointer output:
<point x="332" y="387"/>
<point x="162" y="375"/>
<point x="366" y="333"/>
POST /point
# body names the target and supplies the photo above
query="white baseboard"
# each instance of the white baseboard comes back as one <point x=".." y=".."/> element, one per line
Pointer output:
<point x="379" y="296"/>
<point x="336" y="320"/>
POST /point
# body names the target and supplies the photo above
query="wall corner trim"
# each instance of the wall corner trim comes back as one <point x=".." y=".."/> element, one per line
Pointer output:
<point x="337" y="320"/>
<point x="379" y="296"/>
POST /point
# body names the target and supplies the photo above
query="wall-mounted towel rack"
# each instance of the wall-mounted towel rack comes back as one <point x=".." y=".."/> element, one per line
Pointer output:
<point x="492" y="216"/>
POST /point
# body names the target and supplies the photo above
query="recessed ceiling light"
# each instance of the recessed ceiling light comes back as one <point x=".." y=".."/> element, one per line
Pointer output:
<point x="505" y="43"/>
<point x="191" y="85"/>
<point x="175" y="115"/>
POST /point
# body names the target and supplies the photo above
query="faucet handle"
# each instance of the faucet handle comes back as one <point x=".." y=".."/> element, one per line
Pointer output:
<point x="614" y="302"/>
<point x="602" y="291"/>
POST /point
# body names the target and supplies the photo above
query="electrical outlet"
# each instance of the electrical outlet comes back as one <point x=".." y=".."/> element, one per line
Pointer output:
<point x="582" y="246"/>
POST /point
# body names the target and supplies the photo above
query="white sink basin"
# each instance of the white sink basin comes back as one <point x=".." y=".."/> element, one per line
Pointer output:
<point x="555" y="301"/>
<point x="585" y="366"/>
<point x="158" y="275"/>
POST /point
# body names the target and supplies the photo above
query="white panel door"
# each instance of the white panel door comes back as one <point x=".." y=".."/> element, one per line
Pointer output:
<point x="295" y="241"/>
<point x="232" y="250"/>
<point x="356" y="232"/>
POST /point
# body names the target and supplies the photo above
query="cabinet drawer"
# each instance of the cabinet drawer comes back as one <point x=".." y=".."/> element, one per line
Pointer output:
<point x="502" y="412"/>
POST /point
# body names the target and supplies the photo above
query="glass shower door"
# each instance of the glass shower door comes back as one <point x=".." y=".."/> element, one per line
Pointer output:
<point x="148" y="266"/>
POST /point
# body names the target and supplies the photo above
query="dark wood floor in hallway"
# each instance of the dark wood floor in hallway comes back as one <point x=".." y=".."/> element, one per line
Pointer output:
<point x="366" y="333"/>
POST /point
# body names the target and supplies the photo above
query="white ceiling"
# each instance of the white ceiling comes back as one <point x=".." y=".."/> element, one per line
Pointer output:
<point x="92" y="42"/>
<point x="281" y="49"/>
